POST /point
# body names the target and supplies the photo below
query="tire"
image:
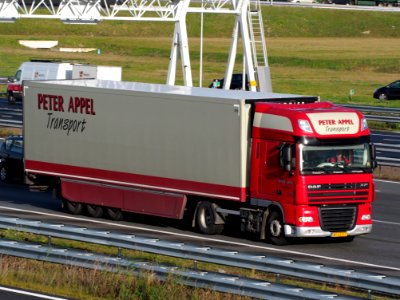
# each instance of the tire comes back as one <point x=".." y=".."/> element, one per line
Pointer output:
<point x="11" y="99"/>
<point x="115" y="214"/>
<point x="74" y="208"/>
<point x="382" y="96"/>
<point x="275" y="229"/>
<point x="205" y="219"/>
<point x="94" y="211"/>
<point x="4" y="173"/>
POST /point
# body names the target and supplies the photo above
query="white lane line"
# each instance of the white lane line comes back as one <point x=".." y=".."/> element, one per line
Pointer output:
<point x="205" y="238"/>
<point x="21" y="292"/>
<point x="388" y="181"/>
<point x="387" y="222"/>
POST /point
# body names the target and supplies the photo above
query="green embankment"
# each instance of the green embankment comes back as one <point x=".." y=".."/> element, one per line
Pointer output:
<point x="311" y="51"/>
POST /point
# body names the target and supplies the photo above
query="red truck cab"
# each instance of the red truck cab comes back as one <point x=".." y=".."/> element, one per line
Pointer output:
<point x="308" y="193"/>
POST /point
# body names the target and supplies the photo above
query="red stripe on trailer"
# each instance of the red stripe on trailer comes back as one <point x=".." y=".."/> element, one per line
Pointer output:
<point x="148" y="202"/>
<point x="136" y="180"/>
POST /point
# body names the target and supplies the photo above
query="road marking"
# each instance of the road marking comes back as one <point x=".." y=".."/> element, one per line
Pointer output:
<point x="388" y="181"/>
<point x="387" y="222"/>
<point x="204" y="238"/>
<point x="2" y="288"/>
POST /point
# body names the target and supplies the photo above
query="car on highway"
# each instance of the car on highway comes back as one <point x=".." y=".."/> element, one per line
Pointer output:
<point x="11" y="158"/>
<point x="236" y="82"/>
<point x="388" y="92"/>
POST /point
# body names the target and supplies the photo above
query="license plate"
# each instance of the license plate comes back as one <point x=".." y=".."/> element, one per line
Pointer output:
<point x="339" y="234"/>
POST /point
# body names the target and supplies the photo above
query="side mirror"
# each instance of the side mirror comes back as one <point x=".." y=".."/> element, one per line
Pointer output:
<point x="286" y="157"/>
<point x="12" y="79"/>
<point x="373" y="156"/>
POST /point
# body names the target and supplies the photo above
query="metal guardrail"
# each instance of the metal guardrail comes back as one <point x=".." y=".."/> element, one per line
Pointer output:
<point x="379" y="114"/>
<point x="388" y="161"/>
<point x="317" y="272"/>
<point x="11" y="117"/>
<point x="195" y="278"/>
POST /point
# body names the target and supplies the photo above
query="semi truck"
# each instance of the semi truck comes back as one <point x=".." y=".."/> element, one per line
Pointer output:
<point x="259" y="160"/>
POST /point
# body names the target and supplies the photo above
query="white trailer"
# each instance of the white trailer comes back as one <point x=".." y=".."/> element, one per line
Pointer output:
<point x="142" y="137"/>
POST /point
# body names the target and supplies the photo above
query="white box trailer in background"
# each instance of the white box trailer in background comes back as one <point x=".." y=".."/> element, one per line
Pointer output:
<point x="96" y="72"/>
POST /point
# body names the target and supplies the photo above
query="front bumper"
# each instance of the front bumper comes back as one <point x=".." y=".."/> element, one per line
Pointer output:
<point x="293" y="231"/>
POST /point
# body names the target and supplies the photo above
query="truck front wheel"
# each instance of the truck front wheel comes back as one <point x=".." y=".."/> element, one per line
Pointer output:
<point x="275" y="229"/>
<point x="205" y="217"/>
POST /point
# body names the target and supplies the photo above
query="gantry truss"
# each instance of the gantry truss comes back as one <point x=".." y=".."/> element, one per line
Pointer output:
<point x="94" y="11"/>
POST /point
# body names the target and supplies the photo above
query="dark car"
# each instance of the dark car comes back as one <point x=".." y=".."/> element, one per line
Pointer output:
<point x="236" y="82"/>
<point x="11" y="158"/>
<point x="389" y="92"/>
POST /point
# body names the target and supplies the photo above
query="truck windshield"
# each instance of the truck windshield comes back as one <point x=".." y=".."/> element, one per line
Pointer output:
<point x="335" y="159"/>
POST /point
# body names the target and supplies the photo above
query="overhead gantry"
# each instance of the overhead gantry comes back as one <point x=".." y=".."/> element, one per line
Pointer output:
<point x="248" y="25"/>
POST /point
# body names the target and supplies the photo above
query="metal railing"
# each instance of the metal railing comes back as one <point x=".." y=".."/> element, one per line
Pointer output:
<point x="200" y="279"/>
<point x="378" y="113"/>
<point x="388" y="161"/>
<point x="316" y="272"/>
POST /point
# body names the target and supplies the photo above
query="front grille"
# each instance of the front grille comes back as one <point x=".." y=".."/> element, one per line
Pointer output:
<point x="337" y="218"/>
<point x="343" y="192"/>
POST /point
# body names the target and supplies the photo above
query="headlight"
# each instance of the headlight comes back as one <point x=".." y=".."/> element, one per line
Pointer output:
<point x="306" y="219"/>
<point x="364" y="124"/>
<point x="366" y="217"/>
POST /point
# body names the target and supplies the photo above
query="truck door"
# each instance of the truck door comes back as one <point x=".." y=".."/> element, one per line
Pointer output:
<point x="275" y="183"/>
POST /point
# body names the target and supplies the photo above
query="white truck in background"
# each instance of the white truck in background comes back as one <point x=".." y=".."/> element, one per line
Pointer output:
<point x="36" y="70"/>
<point x="53" y="70"/>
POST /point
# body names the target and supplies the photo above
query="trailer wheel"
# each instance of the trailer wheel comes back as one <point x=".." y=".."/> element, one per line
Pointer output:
<point x="205" y="217"/>
<point x="94" y="211"/>
<point x="276" y="234"/>
<point x="74" y="208"/>
<point x="114" y="214"/>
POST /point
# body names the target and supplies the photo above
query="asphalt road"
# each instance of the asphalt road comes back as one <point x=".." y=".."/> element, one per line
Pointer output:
<point x="377" y="252"/>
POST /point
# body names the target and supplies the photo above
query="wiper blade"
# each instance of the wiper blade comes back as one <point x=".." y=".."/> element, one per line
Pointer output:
<point x="352" y="169"/>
